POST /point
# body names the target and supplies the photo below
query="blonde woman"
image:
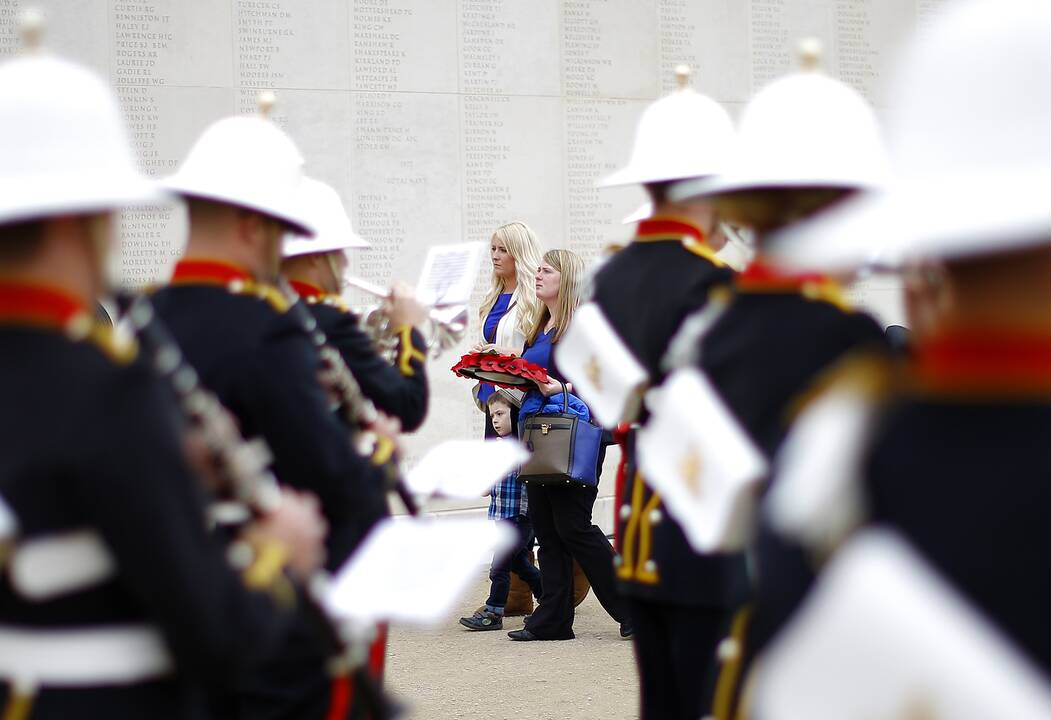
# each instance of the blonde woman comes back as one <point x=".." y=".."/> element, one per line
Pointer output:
<point x="561" y="514"/>
<point x="510" y="306"/>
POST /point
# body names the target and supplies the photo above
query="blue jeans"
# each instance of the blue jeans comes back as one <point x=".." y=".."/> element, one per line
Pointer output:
<point x="516" y="561"/>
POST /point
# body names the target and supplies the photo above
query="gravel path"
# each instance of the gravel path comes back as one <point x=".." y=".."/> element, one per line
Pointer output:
<point x="452" y="672"/>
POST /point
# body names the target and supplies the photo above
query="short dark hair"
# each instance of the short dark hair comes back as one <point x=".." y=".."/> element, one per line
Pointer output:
<point x="658" y="192"/>
<point x="20" y="241"/>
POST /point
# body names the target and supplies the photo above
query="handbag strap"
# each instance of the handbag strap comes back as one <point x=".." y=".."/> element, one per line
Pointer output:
<point x="565" y="398"/>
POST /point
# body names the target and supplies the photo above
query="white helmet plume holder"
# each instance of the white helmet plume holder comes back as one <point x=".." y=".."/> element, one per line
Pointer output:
<point x="969" y="146"/>
<point x="64" y="142"/>
<point x="681" y="135"/>
<point x="804" y="130"/>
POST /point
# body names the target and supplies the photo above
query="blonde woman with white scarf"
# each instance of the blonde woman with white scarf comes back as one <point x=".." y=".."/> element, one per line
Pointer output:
<point x="510" y="306"/>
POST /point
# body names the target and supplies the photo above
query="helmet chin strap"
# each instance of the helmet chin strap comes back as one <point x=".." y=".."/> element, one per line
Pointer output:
<point x="275" y="245"/>
<point x="102" y="238"/>
<point x="337" y="276"/>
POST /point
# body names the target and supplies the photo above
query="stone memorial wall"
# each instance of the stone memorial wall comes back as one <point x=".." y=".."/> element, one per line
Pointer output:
<point x="439" y="120"/>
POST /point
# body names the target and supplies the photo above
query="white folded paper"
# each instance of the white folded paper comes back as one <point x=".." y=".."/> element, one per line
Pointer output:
<point x="465" y="469"/>
<point x="818" y="495"/>
<point x="602" y="369"/>
<point x="695" y="453"/>
<point x="449" y="273"/>
<point x="415" y="571"/>
<point x="884" y="637"/>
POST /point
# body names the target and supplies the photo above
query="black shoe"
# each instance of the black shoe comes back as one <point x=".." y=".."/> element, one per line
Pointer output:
<point x="484" y="620"/>
<point x="524" y="635"/>
<point x="626" y="630"/>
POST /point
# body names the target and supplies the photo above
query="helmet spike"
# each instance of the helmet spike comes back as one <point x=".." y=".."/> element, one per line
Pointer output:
<point x="32" y="29"/>
<point x="810" y="52"/>
<point x="682" y="76"/>
<point x="266" y="101"/>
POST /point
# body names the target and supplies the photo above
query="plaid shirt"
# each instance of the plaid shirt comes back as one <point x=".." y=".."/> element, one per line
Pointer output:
<point x="508" y="499"/>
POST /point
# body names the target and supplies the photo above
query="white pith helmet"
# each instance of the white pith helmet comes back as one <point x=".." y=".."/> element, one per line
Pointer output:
<point x="63" y="140"/>
<point x="246" y="161"/>
<point x="681" y="135"/>
<point x="804" y="130"/>
<point x="969" y="143"/>
<point x="321" y="204"/>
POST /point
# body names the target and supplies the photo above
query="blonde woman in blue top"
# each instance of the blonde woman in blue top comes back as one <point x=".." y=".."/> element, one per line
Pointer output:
<point x="561" y="514"/>
<point x="510" y="306"/>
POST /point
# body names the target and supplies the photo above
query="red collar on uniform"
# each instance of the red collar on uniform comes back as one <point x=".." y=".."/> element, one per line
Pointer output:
<point x="39" y="305"/>
<point x="307" y="291"/>
<point x="761" y="276"/>
<point x="985" y="359"/>
<point x="660" y="228"/>
<point x="191" y="271"/>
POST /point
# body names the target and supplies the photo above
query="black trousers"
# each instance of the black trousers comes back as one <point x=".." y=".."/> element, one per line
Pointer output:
<point x="516" y="561"/>
<point x="561" y="516"/>
<point x="676" y="654"/>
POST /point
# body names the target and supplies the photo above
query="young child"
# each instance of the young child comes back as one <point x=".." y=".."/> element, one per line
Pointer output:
<point x="507" y="504"/>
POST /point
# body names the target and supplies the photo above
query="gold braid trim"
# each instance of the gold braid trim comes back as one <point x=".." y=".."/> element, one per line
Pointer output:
<point x="19" y="702"/>
<point x="384" y="450"/>
<point x="727" y="686"/>
<point x="407" y="352"/>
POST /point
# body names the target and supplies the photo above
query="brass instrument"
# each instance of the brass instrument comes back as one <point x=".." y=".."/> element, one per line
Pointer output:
<point x="357" y="408"/>
<point x="445" y="328"/>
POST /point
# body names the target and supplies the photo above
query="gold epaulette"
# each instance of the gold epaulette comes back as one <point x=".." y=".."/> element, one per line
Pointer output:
<point x="828" y="291"/>
<point x="825" y="290"/>
<point x="263" y="291"/>
<point x="119" y="349"/>
<point x="272" y="295"/>
<point x="690" y="243"/>
<point x="328" y="299"/>
<point x="701" y="249"/>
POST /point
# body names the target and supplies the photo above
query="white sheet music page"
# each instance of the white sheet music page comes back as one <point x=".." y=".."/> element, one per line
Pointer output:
<point x="449" y="273"/>
<point x="415" y="570"/>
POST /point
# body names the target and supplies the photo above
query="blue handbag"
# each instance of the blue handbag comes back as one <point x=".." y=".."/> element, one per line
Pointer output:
<point x="564" y="448"/>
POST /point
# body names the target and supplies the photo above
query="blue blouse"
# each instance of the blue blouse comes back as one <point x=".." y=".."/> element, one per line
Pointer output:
<point x="499" y="309"/>
<point x="540" y="353"/>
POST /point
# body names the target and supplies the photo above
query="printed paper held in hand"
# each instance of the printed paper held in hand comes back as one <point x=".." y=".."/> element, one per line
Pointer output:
<point x="465" y="469"/>
<point x="602" y="369"/>
<point x="415" y="571"/>
<point x="449" y="274"/>
<point x="819" y="495"/>
<point x="883" y="635"/>
<point x="695" y="453"/>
